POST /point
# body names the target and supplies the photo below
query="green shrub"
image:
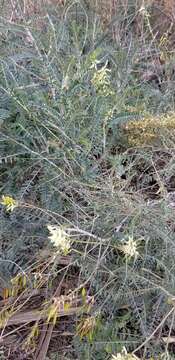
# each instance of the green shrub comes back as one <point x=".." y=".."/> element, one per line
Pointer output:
<point x="67" y="96"/>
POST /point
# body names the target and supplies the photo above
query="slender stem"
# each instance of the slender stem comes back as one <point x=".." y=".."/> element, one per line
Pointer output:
<point x="154" y="332"/>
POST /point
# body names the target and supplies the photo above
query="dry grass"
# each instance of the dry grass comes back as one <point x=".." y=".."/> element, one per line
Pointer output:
<point x="28" y="315"/>
<point x="169" y="6"/>
<point x="150" y="130"/>
<point x="106" y="9"/>
<point x="15" y="10"/>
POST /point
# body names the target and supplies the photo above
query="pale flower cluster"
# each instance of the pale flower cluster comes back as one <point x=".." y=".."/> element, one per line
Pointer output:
<point x="9" y="203"/>
<point x="59" y="238"/>
<point x="123" y="355"/>
<point x="129" y="248"/>
<point x="101" y="79"/>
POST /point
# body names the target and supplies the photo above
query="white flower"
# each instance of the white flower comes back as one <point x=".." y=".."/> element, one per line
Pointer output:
<point x="117" y="357"/>
<point x="120" y="356"/>
<point x="124" y="356"/>
<point x="129" y="248"/>
<point x="9" y="203"/>
<point x="59" y="238"/>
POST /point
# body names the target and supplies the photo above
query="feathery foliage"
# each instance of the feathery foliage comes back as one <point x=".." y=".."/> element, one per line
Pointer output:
<point x="87" y="150"/>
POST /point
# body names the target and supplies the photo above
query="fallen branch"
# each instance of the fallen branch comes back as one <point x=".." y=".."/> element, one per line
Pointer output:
<point x="37" y="315"/>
